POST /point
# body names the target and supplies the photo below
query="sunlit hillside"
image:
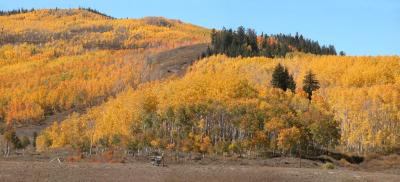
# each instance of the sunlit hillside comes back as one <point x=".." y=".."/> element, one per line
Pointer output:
<point x="57" y="60"/>
<point x="228" y="105"/>
<point x="75" y="29"/>
<point x="265" y="91"/>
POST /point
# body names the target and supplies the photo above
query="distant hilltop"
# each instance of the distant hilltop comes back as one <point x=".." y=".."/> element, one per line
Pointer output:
<point x="91" y="29"/>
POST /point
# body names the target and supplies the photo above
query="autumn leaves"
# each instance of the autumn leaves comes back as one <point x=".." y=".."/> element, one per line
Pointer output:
<point x="64" y="83"/>
<point x="216" y="108"/>
<point x="222" y="105"/>
<point x="227" y="105"/>
<point x="57" y="60"/>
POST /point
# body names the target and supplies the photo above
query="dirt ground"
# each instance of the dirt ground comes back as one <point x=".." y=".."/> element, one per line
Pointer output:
<point x="172" y="62"/>
<point x="32" y="166"/>
<point x="54" y="171"/>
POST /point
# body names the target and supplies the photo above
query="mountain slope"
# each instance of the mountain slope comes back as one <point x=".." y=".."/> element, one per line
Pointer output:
<point x="58" y="60"/>
<point x="54" y="62"/>
<point x="80" y="29"/>
<point x="227" y="104"/>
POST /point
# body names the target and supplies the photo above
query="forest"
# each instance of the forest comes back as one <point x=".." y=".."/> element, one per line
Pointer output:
<point x="15" y="11"/>
<point x="22" y="10"/>
<point x="247" y="43"/>
<point x="48" y="66"/>
<point x="56" y="60"/>
<point x="228" y="105"/>
<point x="77" y="30"/>
<point x="264" y="95"/>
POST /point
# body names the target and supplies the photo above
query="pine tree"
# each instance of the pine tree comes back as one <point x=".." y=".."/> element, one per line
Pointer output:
<point x="310" y="84"/>
<point x="246" y="43"/>
<point x="252" y="42"/>
<point x="282" y="79"/>
<point x="279" y="77"/>
<point x="241" y="35"/>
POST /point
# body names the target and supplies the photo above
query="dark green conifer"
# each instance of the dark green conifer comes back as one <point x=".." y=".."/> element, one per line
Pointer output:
<point x="282" y="79"/>
<point x="310" y="84"/>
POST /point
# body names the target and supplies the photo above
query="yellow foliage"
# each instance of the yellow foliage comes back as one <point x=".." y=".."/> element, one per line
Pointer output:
<point x="56" y="60"/>
<point x="362" y="93"/>
<point x="31" y="89"/>
<point x="71" y="31"/>
<point x="205" y="144"/>
<point x="288" y="138"/>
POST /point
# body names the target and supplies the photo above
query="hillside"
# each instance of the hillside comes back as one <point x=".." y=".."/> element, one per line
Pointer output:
<point x="57" y="60"/>
<point x="60" y="61"/>
<point x="226" y="105"/>
<point x="81" y="86"/>
<point x="74" y="30"/>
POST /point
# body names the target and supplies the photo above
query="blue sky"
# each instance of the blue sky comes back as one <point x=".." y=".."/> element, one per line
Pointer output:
<point x="358" y="27"/>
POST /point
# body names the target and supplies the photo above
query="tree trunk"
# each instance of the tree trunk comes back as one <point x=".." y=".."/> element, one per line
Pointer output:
<point x="8" y="149"/>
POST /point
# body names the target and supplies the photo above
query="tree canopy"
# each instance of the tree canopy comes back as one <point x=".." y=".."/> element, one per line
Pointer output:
<point x="310" y="84"/>
<point x="282" y="79"/>
<point x="247" y="43"/>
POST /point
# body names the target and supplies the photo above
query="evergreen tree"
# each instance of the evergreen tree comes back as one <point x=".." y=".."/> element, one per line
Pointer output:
<point x="247" y="43"/>
<point x="252" y="42"/>
<point x="310" y="84"/>
<point x="241" y="34"/>
<point x="279" y="77"/>
<point x="282" y="79"/>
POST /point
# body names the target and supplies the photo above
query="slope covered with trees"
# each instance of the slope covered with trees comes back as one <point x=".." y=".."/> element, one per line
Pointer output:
<point x="229" y="105"/>
<point x="268" y="99"/>
<point x="75" y="30"/>
<point x="247" y="43"/>
<point x="33" y="89"/>
<point x="209" y="110"/>
<point x="56" y="60"/>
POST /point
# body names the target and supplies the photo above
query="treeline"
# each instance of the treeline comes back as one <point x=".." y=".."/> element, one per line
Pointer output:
<point x="22" y="10"/>
<point x="247" y="43"/>
<point x="96" y="31"/>
<point x="15" y="11"/>
<point x="96" y="12"/>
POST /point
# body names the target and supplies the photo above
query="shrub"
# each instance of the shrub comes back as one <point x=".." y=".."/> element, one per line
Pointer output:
<point x="328" y="165"/>
<point x="25" y="142"/>
<point x="12" y="137"/>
